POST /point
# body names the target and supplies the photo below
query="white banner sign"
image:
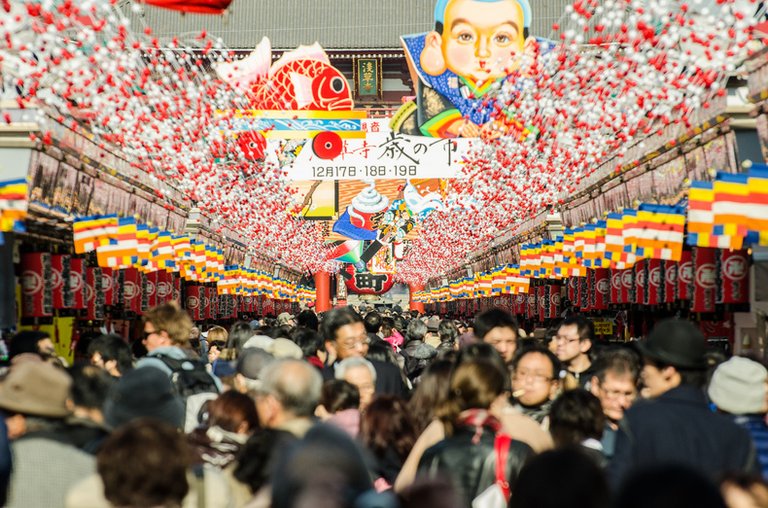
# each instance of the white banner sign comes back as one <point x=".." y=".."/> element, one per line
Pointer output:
<point x="380" y="155"/>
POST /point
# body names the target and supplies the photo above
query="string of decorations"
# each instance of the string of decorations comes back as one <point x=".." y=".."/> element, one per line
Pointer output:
<point x="619" y="72"/>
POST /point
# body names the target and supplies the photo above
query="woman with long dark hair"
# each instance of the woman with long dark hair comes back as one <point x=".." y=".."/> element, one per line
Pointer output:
<point x="388" y="432"/>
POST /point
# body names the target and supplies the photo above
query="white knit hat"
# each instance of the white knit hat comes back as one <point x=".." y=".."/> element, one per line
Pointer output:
<point x="738" y="386"/>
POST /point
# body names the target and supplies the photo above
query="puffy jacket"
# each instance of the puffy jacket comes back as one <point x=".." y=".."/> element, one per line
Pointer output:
<point x="471" y="467"/>
<point x="418" y="355"/>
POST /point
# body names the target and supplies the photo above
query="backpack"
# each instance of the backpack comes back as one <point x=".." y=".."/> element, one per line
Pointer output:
<point x="195" y="385"/>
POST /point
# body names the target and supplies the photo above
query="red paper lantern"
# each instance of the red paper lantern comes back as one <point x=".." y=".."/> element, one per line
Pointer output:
<point x="519" y="304"/>
<point x="554" y="299"/>
<point x="543" y="301"/>
<point x="705" y="277"/>
<point x="36" y="300"/>
<point x="132" y="290"/>
<point x="211" y="303"/>
<point x="268" y="307"/>
<point x="670" y="281"/>
<point x="60" y="294"/>
<point x="176" y="287"/>
<point x="734" y="275"/>
<point x="573" y="290"/>
<point x="93" y="294"/>
<point x="641" y="282"/>
<point x="77" y="282"/>
<point x="164" y="287"/>
<point x="531" y="310"/>
<point x="584" y="294"/>
<point x="117" y="286"/>
<point x="366" y="283"/>
<point x="108" y="276"/>
<point x="590" y="291"/>
<point x="149" y="291"/>
<point x="616" y="286"/>
<point x="685" y="276"/>
<point x="602" y="288"/>
<point x="194" y="301"/>
<point x="655" y="281"/>
<point x="234" y="306"/>
<point x="627" y="285"/>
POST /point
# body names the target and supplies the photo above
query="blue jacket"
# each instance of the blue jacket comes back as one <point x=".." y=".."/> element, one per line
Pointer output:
<point x="678" y="427"/>
<point x="757" y="428"/>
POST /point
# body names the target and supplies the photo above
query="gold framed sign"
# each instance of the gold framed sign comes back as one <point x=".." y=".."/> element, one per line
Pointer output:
<point x="367" y="74"/>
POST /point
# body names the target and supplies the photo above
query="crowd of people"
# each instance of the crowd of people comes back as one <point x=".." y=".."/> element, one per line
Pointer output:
<point x="365" y="408"/>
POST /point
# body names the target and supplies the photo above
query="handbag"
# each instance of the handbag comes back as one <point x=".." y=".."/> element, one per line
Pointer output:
<point x="498" y="494"/>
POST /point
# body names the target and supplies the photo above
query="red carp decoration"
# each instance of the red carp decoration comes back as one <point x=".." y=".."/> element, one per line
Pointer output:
<point x="367" y="283"/>
<point x="192" y="6"/>
<point x="302" y="79"/>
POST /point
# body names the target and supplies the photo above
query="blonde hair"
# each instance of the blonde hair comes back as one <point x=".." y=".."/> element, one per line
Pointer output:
<point x="170" y="318"/>
<point x="217" y="334"/>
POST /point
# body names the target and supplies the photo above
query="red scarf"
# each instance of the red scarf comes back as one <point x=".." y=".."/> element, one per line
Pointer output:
<point x="478" y="419"/>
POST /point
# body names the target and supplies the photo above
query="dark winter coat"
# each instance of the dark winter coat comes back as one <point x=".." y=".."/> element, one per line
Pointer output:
<point x="471" y="467"/>
<point x="679" y="427"/>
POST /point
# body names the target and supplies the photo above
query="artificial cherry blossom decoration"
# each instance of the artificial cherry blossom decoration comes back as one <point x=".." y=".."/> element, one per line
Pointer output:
<point x="621" y="73"/>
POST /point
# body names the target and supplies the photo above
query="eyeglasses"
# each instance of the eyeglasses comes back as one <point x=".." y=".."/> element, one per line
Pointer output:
<point x="536" y="378"/>
<point x="564" y="339"/>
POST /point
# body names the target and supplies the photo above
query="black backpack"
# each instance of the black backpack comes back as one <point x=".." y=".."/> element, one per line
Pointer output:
<point x="194" y="384"/>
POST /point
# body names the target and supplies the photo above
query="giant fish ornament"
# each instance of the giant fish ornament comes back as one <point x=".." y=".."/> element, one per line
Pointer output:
<point x="302" y="79"/>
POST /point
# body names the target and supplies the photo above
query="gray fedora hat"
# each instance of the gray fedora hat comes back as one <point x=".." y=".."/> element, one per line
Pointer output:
<point x="675" y="342"/>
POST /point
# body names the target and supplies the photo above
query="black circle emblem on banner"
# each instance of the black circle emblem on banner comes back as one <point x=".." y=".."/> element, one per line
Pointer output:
<point x="327" y="145"/>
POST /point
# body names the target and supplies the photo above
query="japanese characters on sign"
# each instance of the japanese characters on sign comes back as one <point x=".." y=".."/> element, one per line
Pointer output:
<point x="368" y="77"/>
<point x="383" y="154"/>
